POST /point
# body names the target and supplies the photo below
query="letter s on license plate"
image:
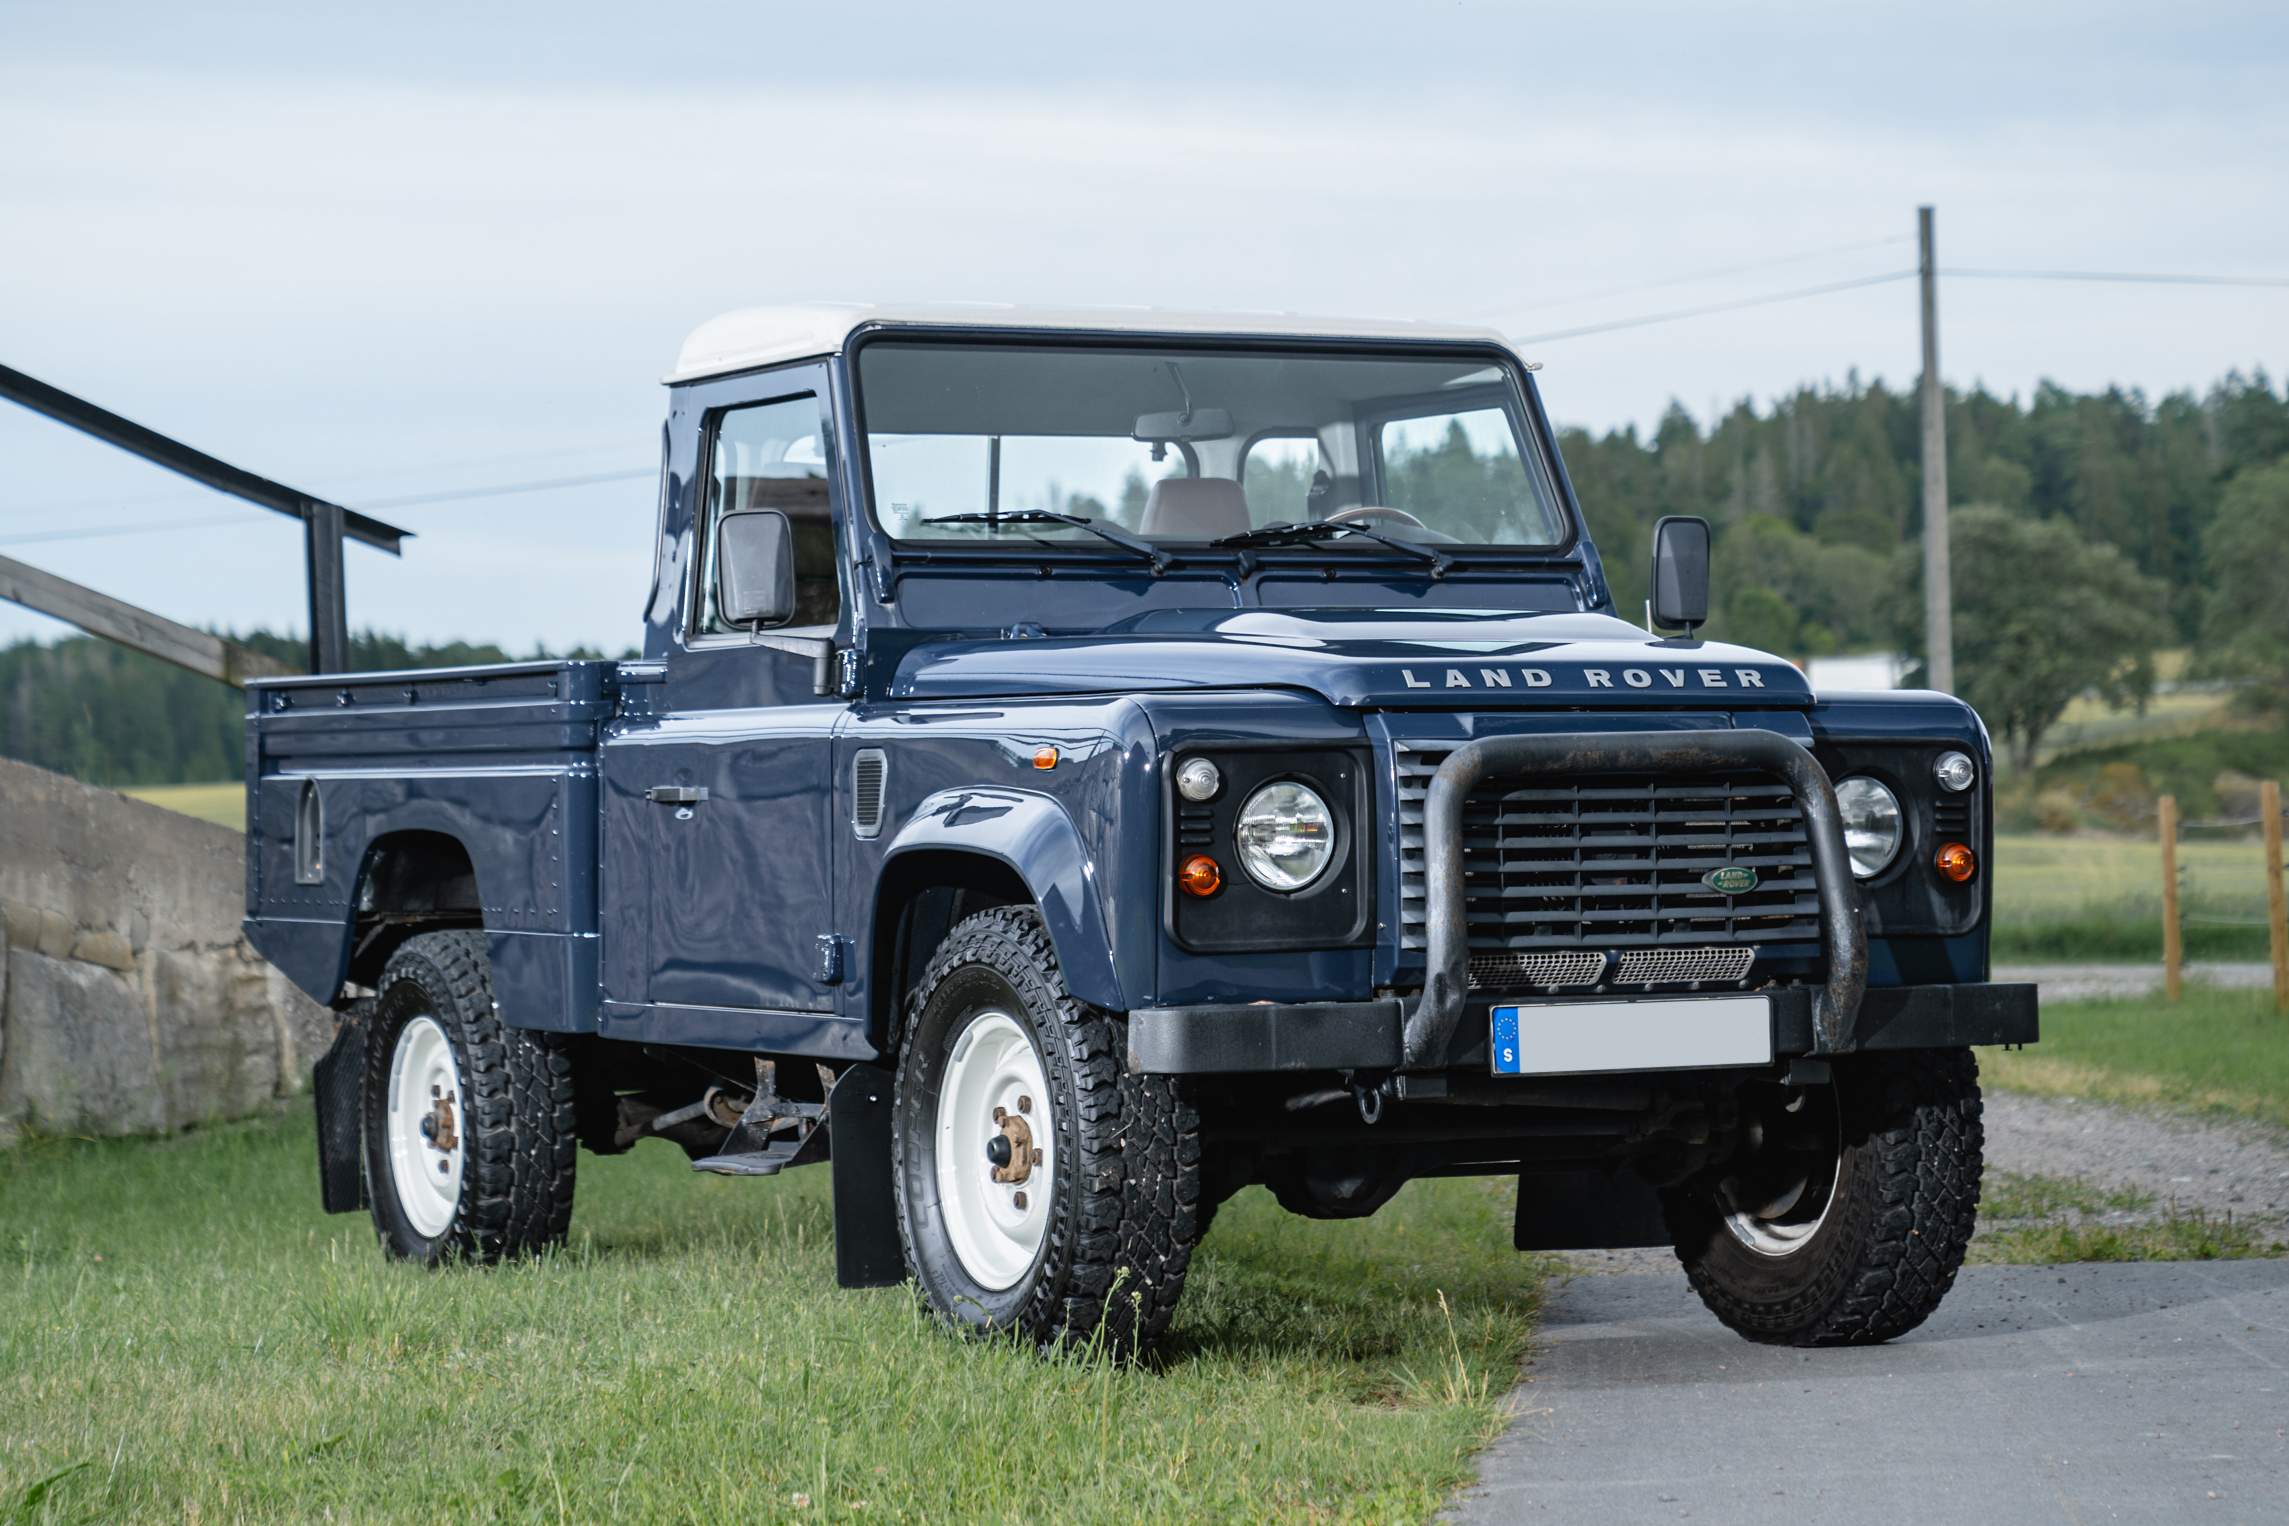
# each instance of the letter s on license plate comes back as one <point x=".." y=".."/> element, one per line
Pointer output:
<point x="1674" y="1033"/>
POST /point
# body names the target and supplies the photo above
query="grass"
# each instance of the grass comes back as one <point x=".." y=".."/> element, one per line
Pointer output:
<point x="2192" y="1236"/>
<point x="223" y="804"/>
<point x="2217" y="1050"/>
<point x="2023" y="1221"/>
<point x="2010" y="1195"/>
<point x="184" y="1336"/>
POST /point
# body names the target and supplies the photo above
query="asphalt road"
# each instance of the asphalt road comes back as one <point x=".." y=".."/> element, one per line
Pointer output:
<point x="2145" y="1392"/>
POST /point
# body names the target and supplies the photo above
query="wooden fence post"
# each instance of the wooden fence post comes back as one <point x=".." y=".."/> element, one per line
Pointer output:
<point x="2276" y="911"/>
<point x="2173" y="946"/>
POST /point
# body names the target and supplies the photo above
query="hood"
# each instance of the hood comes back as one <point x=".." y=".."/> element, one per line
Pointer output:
<point x="1382" y="659"/>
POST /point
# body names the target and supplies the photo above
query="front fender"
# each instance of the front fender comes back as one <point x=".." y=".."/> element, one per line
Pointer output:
<point x="1031" y="833"/>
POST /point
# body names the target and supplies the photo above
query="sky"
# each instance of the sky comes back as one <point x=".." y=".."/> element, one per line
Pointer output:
<point x="386" y="254"/>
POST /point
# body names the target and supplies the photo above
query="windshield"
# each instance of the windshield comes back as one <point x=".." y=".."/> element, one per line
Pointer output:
<point x="1193" y="445"/>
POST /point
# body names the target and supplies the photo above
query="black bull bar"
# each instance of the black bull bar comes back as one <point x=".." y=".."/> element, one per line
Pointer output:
<point x="1431" y="1021"/>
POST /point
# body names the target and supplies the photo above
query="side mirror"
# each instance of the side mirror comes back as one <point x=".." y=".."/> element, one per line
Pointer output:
<point x="754" y="567"/>
<point x="1680" y="572"/>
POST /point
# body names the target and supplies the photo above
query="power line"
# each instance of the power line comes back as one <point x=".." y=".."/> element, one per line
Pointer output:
<point x="1698" y="275"/>
<point x="496" y="491"/>
<point x="510" y="487"/>
<point x="1713" y="307"/>
<point x="2112" y="275"/>
<point x="158" y="524"/>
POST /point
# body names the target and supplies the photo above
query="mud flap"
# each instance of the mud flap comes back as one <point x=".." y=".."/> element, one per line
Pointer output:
<point x="337" y="1082"/>
<point x="868" y="1253"/>
<point x="1587" y="1210"/>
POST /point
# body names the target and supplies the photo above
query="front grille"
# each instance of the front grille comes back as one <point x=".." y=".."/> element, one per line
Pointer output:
<point x="1951" y="818"/>
<point x="1550" y="972"/>
<point x="1681" y="966"/>
<point x="1616" y="862"/>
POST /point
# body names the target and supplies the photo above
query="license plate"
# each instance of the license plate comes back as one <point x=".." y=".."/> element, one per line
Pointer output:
<point x="1675" y="1033"/>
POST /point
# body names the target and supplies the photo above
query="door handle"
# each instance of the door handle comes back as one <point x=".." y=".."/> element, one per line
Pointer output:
<point x="676" y="794"/>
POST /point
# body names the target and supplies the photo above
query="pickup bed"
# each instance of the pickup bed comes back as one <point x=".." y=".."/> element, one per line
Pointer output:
<point x="1055" y="870"/>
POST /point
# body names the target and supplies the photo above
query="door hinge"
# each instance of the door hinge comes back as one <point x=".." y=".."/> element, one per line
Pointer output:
<point x="832" y="959"/>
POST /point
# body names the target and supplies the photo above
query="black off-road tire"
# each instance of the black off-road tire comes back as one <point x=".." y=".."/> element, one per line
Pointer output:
<point x="1901" y="1212"/>
<point x="1124" y="1161"/>
<point x="516" y="1116"/>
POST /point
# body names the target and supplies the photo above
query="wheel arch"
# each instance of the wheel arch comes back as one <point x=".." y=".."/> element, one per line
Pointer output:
<point x="409" y="882"/>
<point x="963" y="851"/>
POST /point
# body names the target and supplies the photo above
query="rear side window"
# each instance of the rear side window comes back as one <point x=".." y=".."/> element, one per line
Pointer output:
<point x="774" y="456"/>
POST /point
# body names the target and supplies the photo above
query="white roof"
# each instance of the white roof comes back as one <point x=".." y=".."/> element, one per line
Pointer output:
<point x="762" y="336"/>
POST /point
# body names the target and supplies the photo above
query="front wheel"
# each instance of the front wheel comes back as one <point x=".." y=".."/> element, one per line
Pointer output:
<point x="1040" y="1188"/>
<point x="469" y="1125"/>
<point x="1843" y="1217"/>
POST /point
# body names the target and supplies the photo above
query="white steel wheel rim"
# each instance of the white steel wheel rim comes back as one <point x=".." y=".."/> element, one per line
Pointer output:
<point x="1776" y="1236"/>
<point x="426" y="1179"/>
<point x="993" y="1064"/>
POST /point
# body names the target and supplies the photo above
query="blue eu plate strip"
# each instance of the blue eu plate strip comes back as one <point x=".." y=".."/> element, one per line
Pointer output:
<point x="1506" y="1057"/>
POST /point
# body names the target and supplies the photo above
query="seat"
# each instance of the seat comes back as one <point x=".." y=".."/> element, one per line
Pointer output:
<point x="1196" y="508"/>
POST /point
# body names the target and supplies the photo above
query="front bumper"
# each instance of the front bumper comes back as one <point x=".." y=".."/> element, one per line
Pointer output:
<point x="1368" y="1035"/>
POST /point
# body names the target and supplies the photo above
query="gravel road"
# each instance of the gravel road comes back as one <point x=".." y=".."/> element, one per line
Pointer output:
<point x="2087" y="982"/>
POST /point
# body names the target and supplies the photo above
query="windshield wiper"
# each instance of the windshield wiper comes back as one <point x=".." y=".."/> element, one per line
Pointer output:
<point x="1321" y="529"/>
<point x="1160" y="559"/>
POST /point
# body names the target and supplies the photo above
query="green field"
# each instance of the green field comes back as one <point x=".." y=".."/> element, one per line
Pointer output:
<point x="2101" y="898"/>
<point x="223" y="804"/>
<point x="183" y="1336"/>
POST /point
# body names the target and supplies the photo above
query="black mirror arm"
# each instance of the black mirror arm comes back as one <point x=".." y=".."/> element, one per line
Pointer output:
<point x="820" y="649"/>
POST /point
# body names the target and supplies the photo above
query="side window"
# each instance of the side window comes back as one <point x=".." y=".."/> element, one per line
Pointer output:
<point x="774" y="456"/>
<point x="1287" y="480"/>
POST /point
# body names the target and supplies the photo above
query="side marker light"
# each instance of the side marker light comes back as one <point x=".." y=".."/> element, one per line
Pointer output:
<point x="1200" y="876"/>
<point x="1956" y="862"/>
<point x="1044" y="757"/>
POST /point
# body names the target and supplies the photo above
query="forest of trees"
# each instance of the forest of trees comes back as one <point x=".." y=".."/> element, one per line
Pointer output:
<point x="102" y="713"/>
<point x="1813" y="499"/>
<point x="1815" y="503"/>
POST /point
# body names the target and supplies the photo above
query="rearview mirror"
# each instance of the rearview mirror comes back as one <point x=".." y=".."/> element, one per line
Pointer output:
<point x="1680" y="572"/>
<point x="1188" y="424"/>
<point x="754" y="567"/>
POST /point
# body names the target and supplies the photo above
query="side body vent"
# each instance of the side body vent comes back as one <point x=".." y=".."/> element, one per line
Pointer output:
<point x="309" y="836"/>
<point x="869" y="770"/>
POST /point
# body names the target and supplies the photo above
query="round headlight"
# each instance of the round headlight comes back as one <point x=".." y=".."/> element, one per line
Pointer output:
<point x="1871" y="825"/>
<point x="1954" y="772"/>
<point x="1198" y="780"/>
<point x="1285" y="837"/>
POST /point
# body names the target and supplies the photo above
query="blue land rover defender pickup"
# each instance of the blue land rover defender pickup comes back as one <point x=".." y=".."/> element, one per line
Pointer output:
<point x="1086" y="763"/>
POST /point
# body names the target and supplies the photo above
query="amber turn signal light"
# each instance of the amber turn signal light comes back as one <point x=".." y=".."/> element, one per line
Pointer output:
<point x="1200" y="876"/>
<point x="1956" y="862"/>
<point x="1044" y="757"/>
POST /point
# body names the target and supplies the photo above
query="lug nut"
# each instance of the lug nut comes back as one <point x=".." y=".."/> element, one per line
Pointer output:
<point x="1025" y="1104"/>
<point x="1019" y="1200"/>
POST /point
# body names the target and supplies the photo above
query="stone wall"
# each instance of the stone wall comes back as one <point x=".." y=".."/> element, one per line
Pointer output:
<point x="129" y="1003"/>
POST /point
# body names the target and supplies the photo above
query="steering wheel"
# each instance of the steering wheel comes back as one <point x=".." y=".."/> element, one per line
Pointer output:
<point x="1376" y="514"/>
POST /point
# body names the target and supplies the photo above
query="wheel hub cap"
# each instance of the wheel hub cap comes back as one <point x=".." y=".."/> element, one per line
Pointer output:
<point x="993" y="1124"/>
<point x="421" y="1126"/>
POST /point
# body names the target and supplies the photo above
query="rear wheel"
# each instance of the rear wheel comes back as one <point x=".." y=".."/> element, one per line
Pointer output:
<point x="1843" y="1218"/>
<point x="1040" y="1188"/>
<point x="468" y="1124"/>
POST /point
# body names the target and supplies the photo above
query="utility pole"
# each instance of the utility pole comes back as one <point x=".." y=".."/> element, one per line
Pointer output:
<point x="1938" y="605"/>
